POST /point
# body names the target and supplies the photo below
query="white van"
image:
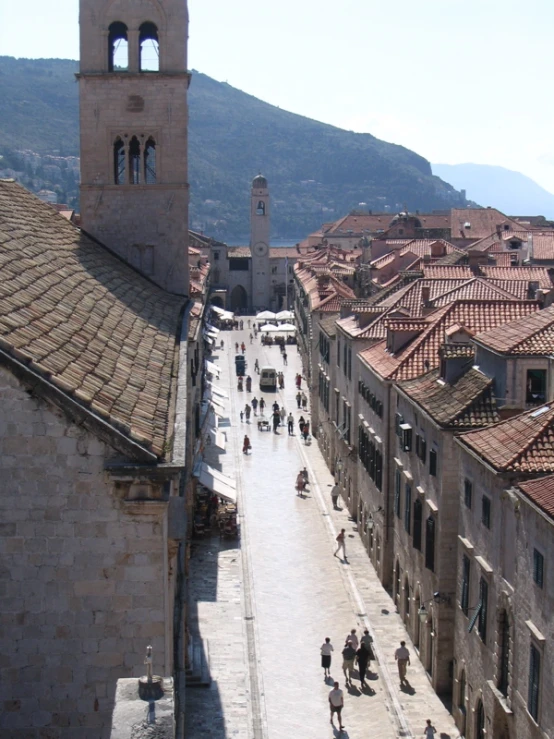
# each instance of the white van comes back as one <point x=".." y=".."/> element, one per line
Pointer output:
<point x="268" y="378"/>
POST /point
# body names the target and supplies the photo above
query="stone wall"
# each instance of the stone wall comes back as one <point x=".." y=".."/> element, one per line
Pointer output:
<point x="82" y="583"/>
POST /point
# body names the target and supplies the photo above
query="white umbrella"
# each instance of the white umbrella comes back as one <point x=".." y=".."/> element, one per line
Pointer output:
<point x="284" y="328"/>
<point x="285" y="314"/>
<point x="268" y="327"/>
<point x="265" y="315"/>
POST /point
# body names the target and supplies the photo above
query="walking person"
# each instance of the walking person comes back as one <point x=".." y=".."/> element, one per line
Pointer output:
<point x="429" y="731"/>
<point x="276" y="421"/>
<point x="368" y="641"/>
<point x="326" y="649"/>
<point x="304" y="401"/>
<point x="299" y="399"/>
<point x="336" y="703"/>
<point x="362" y="658"/>
<point x="335" y="492"/>
<point x="300" y="484"/>
<point x="352" y="637"/>
<point x="262" y="406"/>
<point x="255" y="405"/>
<point x="306" y="430"/>
<point x="285" y="358"/>
<point x="299" y="383"/>
<point x="283" y="415"/>
<point x="348" y="657"/>
<point x="290" y="424"/>
<point x="241" y="415"/>
<point x="246" y="446"/>
<point x="341" y="543"/>
<point x="402" y="656"/>
<point x="247" y="411"/>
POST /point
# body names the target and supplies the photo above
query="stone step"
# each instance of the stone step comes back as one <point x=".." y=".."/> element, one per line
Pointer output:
<point x="198" y="674"/>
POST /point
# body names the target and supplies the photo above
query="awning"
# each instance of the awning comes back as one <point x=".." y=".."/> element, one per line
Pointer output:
<point x="211" y="329"/>
<point x="215" y="401"/>
<point x="218" y="438"/>
<point x="218" y="482"/>
<point x="212" y="368"/>
<point x="207" y="338"/>
<point x="217" y="309"/>
<point x="216" y="390"/>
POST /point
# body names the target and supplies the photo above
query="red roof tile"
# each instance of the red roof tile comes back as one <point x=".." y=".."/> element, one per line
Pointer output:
<point x="529" y="336"/>
<point x="524" y="274"/>
<point x="422" y="354"/>
<point x="522" y="445"/>
<point x="541" y="492"/>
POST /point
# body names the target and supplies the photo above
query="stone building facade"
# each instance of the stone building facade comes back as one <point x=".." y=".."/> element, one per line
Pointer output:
<point x="133" y="127"/>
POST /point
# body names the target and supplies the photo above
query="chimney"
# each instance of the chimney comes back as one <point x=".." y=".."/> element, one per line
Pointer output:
<point x="532" y="290"/>
<point x="426" y="259"/>
<point x="400" y="333"/>
<point x="456" y="360"/>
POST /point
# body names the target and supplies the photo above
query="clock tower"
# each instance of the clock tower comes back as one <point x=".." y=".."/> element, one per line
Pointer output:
<point x="259" y="243"/>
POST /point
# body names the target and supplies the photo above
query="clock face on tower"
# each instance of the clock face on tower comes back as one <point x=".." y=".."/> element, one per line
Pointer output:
<point x="260" y="250"/>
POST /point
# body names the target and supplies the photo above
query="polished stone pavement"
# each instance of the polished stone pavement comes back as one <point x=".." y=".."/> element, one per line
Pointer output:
<point x="265" y="604"/>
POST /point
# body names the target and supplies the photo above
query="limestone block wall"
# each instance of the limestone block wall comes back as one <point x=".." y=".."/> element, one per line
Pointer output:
<point x="81" y="580"/>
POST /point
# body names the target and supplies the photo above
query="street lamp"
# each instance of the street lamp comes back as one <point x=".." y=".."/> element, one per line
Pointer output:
<point x="437" y="598"/>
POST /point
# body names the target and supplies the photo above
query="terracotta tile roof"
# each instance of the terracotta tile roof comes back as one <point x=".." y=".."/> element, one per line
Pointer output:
<point x="457" y="351"/>
<point x="422" y="247"/>
<point x="359" y="224"/>
<point x="87" y="321"/>
<point x="411" y="296"/>
<point x="543" y="246"/>
<point x="529" y="336"/>
<point x="446" y="272"/>
<point x="422" y="354"/>
<point x="483" y="222"/>
<point x="522" y="445"/>
<point x="474" y="289"/>
<point x="519" y="288"/>
<point x="541" y="492"/>
<point x="466" y="403"/>
<point x="526" y="274"/>
<point x="329" y="324"/>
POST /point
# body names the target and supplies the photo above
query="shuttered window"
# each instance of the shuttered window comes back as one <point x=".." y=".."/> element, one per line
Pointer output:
<point x="538" y="568"/>
<point x="430" y="543"/>
<point x="534" y="682"/>
<point x="397" y="487"/>
<point x="464" y="595"/>
<point x="483" y="601"/>
<point x="418" y="521"/>
<point x="433" y="463"/>
<point x="408" y="507"/>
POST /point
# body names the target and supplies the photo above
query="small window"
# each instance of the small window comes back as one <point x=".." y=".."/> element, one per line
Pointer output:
<point x="464" y="591"/>
<point x="430" y="543"/>
<point x="468" y="493"/>
<point x="216" y="256"/>
<point x="260" y="208"/>
<point x="397" y="488"/>
<point x="119" y="161"/>
<point x="433" y="463"/>
<point x="407" y="507"/>
<point x="418" y="521"/>
<point x="536" y="387"/>
<point x="482" y="613"/>
<point x="486" y="511"/>
<point x="538" y="568"/>
<point x="134" y="161"/>
<point x="534" y="682"/>
<point x="149" y="48"/>
<point x="406" y="437"/>
<point x="150" y="162"/>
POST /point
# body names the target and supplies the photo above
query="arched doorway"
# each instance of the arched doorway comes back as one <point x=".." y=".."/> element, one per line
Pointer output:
<point x="480" y="721"/>
<point x="238" y="299"/>
<point x="407" y="604"/>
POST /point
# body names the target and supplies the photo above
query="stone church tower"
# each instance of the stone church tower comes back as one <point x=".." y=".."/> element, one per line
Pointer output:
<point x="133" y="83"/>
<point x="259" y="243"/>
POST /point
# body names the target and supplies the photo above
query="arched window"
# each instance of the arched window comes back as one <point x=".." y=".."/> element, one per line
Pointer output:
<point x="134" y="161"/>
<point x="149" y="48"/>
<point x="150" y="162"/>
<point x="260" y="209"/>
<point x="430" y="543"/>
<point x="118" y="48"/>
<point x="119" y="161"/>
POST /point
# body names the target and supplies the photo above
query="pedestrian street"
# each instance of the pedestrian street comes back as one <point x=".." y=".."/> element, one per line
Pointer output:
<point x="266" y="602"/>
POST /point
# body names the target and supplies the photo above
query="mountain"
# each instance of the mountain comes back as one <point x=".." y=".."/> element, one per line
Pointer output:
<point x="316" y="172"/>
<point x="511" y="192"/>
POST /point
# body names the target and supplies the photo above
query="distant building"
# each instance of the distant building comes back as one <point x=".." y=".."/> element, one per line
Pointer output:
<point x="254" y="277"/>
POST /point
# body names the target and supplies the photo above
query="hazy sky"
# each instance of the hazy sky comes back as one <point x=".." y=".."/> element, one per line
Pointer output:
<point x="455" y="80"/>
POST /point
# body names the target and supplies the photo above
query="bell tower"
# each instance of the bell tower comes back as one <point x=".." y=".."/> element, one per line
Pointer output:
<point x="133" y="84"/>
<point x="259" y="243"/>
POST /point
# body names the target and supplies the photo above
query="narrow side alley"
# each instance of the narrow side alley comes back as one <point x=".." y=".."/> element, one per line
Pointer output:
<point x="266" y="603"/>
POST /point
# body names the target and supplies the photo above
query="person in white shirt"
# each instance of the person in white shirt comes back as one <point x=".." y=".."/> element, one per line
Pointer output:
<point x="430" y="730"/>
<point x="352" y="637"/>
<point x="326" y="649"/>
<point x="336" y="703"/>
<point x="402" y="656"/>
